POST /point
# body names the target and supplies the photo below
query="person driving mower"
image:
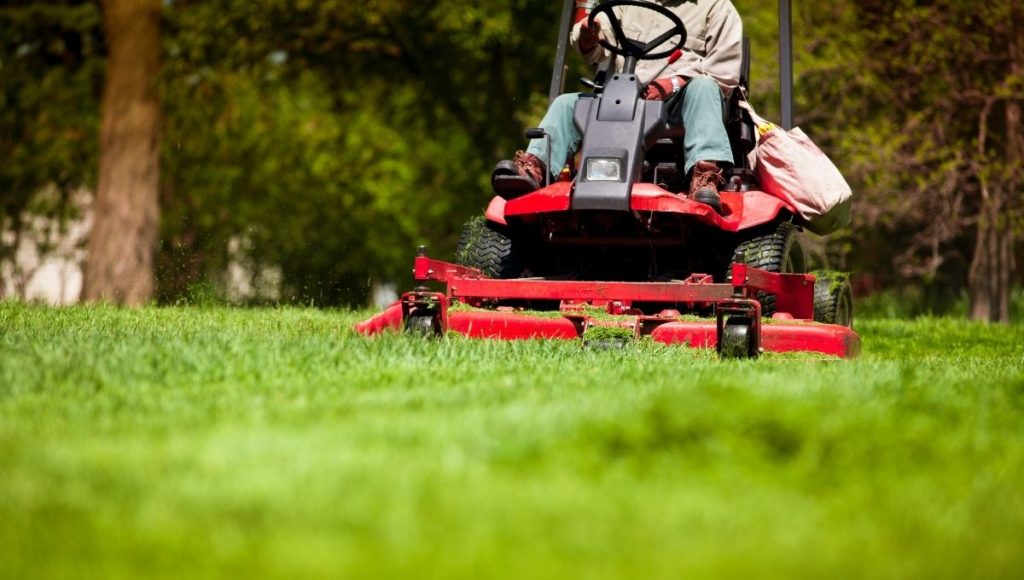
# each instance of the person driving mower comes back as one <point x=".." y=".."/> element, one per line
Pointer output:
<point x="706" y="75"/>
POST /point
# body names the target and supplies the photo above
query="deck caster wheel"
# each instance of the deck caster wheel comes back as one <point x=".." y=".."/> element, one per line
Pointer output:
<point x="424" y="325"/>
<point x="738" y="339"/>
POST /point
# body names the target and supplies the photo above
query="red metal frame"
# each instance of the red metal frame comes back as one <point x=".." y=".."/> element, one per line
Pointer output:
<point x="794" y="293"/>
<point x="741" y="210"/>
<point x="792" y="328"/>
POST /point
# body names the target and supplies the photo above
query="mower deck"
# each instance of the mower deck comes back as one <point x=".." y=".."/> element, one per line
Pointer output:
<point x="736" y="330"/>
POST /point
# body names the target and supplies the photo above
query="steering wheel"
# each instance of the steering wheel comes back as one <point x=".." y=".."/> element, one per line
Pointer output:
<point x="634" y="48"/>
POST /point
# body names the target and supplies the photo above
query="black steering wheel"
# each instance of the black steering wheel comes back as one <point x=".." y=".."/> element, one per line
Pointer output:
<point x="634" y="48"/>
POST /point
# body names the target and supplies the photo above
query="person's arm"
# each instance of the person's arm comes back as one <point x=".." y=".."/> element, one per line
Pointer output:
<point x="724" y="47"/>
<point x="585" y="40"/>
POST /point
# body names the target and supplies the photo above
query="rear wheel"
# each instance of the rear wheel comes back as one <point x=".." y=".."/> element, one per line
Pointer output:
<point x="833" y="299"/>
<point x="487" y="246"/>
<point x="775" y="249"/>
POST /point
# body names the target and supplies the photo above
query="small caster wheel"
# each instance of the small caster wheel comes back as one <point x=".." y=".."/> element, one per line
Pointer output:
<point x="422" y="324"/>
<point x="738" y="339"/>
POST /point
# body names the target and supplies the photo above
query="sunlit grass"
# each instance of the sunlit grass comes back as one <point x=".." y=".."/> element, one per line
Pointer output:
<point x="276" y="443"/>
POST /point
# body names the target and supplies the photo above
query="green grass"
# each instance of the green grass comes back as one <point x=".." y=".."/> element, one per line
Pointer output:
<point x="181" y="443"/>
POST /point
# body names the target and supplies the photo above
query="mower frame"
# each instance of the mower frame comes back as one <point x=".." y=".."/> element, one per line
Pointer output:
<point x="736" y="331"/>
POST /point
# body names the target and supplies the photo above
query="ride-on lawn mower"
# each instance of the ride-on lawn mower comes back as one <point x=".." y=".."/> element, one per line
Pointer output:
<point x="617" y="245"/>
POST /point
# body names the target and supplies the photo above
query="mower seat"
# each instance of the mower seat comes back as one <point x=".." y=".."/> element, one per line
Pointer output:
<point x="738" y="124"/>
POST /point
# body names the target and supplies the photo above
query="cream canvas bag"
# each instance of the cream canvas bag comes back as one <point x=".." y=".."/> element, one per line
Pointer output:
<point x="791" y="167"/>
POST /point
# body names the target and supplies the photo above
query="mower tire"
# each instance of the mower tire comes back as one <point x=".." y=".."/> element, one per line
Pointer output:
<point x="833" y="298"/>
<point x="486" y="246"/>
<point x="775" y="249"/>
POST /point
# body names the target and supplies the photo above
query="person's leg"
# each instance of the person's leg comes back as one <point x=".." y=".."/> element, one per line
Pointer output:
<point x="565" y="138"/>
<point x="706" y="139"/>
<point x="706" y="142"/>
<point x="523" y="174"/>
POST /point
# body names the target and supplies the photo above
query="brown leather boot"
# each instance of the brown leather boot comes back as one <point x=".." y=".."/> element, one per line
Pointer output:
<point x="704" y="185"/>
<point x="525" y="173"/>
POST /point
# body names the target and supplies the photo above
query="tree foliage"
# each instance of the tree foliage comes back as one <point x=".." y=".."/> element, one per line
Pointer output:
<point x="932" y="140"/>
<point x="335" y="137"/>
<point x="51" y="75"/>
<point x="318" y="142"/>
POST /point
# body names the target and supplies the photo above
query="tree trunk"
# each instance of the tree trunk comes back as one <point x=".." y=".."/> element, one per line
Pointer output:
<point x="993" y="261"/>
<point x="119" y="260"/>
<point x="992" y="265"/>
<point x="989" y="284"/>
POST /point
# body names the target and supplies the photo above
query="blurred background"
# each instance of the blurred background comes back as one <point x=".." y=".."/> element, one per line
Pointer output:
<point x="297" y="151"/>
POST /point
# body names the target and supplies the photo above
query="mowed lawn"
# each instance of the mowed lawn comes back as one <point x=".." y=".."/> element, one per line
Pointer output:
<point x="184" y="443"/>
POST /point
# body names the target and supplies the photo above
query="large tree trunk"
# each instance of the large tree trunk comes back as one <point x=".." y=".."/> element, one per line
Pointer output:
<point x="119" y="262"/>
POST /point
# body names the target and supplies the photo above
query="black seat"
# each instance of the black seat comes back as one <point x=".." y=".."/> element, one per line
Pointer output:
<point x="738" y="123"/>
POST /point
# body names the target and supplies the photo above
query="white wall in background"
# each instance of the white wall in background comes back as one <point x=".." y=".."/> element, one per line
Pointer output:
<point x="51" y="277"/>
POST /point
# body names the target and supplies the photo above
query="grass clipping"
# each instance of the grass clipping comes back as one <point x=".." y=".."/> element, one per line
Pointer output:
<point x="607" y="335"/>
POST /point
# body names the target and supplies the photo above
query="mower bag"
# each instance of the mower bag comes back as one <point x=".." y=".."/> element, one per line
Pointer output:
<point x="790" y="166"/>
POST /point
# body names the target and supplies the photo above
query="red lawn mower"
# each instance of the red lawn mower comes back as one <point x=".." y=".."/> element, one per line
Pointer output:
<point x="617" y="245"/>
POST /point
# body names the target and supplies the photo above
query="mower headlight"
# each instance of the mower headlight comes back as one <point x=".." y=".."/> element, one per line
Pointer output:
<point x="604" y="169"/>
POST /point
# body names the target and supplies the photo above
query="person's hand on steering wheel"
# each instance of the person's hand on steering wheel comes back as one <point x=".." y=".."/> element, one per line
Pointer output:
<point x="590" y="35"/>
<point x="632" y="48"/>
<point x="663" y="88"/>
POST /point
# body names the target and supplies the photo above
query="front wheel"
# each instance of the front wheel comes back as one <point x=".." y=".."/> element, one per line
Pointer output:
<point x="775" y="248"/>
<point x="487" y="247"/>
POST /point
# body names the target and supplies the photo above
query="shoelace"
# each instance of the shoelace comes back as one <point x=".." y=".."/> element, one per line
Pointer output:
<point x="704" y="178"/>
<point x="528" y="164"/>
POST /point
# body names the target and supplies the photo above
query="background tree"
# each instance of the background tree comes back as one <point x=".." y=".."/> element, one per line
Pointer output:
<point x="119" y="263"/>
<point x="915" y="101"/>
<point x="332" y="138"/>
<point x="928" y="124"/>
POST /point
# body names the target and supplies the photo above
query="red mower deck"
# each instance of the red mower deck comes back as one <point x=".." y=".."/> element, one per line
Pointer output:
<point x="736" y="330"/>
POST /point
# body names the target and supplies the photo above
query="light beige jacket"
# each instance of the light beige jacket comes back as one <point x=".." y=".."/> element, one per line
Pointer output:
<point x="713" y="48"/>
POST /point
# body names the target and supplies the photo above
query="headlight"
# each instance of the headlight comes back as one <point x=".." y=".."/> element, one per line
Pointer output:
<point x="604" y="169"/>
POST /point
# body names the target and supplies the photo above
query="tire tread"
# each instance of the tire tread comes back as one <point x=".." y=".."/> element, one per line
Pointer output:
<point x="484" y="246"/>
<point x="768" y="252"/>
